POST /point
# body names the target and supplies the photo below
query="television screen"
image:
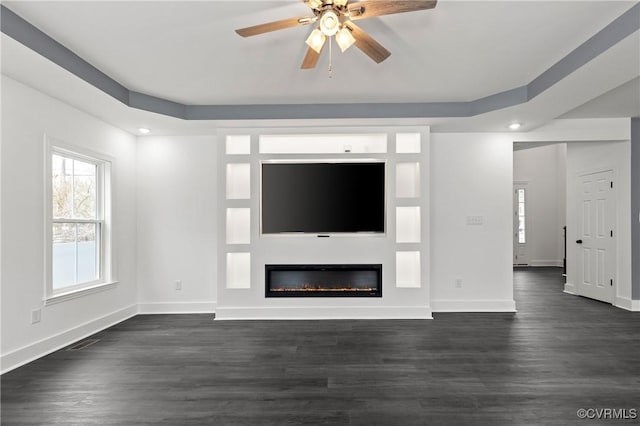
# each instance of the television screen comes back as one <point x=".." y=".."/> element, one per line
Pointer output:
<point x="317" y="197"/>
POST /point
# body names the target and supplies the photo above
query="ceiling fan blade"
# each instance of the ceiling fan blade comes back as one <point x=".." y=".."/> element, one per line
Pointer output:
<point x="311" y="58"/>
<point x="370" y="8"/>
<point x="276" y="25"/>
<point x="367" y="44"/>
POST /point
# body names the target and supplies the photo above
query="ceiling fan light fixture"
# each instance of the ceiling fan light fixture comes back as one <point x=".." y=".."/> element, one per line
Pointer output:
<point x="345" y="39"/>
<point x="316" y="40"/>
<point x="340" y="3"/>
<point x="329" y="23"/>
<point x="314" y="4"/>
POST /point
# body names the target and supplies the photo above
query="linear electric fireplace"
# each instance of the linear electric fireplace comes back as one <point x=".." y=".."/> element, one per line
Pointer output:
<point x="323" y="280"/>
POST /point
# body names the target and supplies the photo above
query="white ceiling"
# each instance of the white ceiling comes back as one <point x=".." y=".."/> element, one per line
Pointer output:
<point x="623" y="101"/>
<point x="459" y="51"/>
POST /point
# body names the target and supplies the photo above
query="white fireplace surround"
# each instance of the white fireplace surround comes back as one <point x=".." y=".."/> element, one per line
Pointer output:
<point x="403" y="250"/>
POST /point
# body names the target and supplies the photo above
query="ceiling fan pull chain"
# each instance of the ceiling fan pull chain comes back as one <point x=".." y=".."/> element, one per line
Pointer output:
<point x="330" y="67"/>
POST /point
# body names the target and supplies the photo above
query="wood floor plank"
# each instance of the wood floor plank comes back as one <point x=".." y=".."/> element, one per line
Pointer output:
<point x="557" y="354"/>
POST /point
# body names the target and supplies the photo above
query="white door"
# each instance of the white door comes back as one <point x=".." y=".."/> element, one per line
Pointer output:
<point x="596" y="241"/>
<point x="520" y="225"/>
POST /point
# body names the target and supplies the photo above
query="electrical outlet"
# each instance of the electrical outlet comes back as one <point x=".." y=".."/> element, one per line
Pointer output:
<point x="178" y="285"/>
<point x="36" y="316"/>
<point x="458" y="283"/>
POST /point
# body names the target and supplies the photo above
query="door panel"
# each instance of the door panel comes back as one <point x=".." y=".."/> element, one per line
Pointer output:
<point x="602" y="267"/>
<point x="596" y="222"/>
<point x="586" y="266"/>
<point x="586" y="218"/>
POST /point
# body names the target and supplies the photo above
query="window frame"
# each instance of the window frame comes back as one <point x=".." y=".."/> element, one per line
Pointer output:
<point x="103" y="221"/>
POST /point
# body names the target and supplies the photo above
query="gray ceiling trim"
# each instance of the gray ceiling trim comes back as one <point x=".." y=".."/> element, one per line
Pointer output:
<point x="157" y="105"/>
<point x="500" y="100"/>
<point x="327" y="111"/>
<point x="25" y="33"/>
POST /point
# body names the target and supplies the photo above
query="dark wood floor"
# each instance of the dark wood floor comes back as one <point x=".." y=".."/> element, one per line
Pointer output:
<point x="557" y="354"/>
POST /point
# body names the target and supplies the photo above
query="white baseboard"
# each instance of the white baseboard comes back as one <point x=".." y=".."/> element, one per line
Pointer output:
<point x="546" y="262"/>
<point x="620" y="302"/>
<point x="26" y="354"/>
<point x="473" y="306"/>
<point x="177" y="308"/>
<point x="628" y="304"/>
<point x="323" y="312"/>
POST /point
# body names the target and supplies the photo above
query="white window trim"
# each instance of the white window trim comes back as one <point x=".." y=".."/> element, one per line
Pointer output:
<point x="105" y="178"/>
<point x="63" y="296"/>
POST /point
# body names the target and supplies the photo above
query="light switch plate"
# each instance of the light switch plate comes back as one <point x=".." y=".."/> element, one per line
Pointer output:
<point x="475" y="220"/>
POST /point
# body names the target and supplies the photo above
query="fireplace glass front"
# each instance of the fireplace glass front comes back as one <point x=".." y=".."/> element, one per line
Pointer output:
<point x="323" y="280"/>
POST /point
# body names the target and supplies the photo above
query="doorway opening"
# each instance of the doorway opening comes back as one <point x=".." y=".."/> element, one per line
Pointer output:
<point x="565" y="217"/>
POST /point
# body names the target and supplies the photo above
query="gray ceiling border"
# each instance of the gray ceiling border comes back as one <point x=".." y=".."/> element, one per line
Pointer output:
<point x="30" y="36"/>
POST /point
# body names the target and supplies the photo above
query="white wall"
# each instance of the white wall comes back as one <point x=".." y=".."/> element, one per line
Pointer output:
<point x="635" y="211"/>
<point x="543" y="169"/>
<point x="177" y="223"/>
<point x="562" y="192"/>
<point x="592" y="157"/>
<point x="471" y="175"/>
<point x="27" y="115"/>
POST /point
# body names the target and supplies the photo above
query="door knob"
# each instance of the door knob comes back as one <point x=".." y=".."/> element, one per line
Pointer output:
<point x="578" y="241"/>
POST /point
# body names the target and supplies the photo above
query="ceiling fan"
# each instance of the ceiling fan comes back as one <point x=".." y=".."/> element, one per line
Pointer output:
<point x="335" y="18"/>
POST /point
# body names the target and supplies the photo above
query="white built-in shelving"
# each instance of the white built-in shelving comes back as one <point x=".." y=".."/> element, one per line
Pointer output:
<point x="403" y="249"/>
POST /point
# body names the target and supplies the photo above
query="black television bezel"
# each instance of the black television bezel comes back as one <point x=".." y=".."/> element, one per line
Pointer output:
<point x="327" y="161"/>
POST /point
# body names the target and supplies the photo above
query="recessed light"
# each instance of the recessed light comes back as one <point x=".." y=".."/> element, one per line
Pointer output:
<point x="144" y="130"/>
<point x="515" y="126"/>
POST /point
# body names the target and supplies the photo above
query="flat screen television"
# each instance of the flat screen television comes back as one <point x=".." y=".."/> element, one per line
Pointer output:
<point x="323" y="197"/>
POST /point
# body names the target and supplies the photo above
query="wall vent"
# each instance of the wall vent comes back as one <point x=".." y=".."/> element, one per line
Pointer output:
<point x="81" y="345"/>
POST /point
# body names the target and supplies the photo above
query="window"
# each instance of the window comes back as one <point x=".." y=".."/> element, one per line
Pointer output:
<point x="522" y="234"/>
<point x="79" y="238"/>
